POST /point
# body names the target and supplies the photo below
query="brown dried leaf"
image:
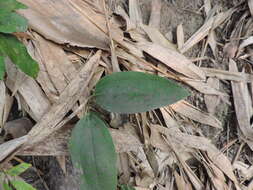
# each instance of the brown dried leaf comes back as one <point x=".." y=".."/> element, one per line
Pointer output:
<point x="250" y="4"/>
<point x="134" y="12"/>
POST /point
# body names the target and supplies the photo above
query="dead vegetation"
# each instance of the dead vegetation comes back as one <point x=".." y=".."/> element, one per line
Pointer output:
<point x="76" y="42"/>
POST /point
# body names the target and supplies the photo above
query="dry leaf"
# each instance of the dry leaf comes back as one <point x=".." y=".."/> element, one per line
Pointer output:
<point x="77" y="24"/>
<point x="212" y="101"/>
<point x="173" y="59"/>
<point x="188" y="110"/>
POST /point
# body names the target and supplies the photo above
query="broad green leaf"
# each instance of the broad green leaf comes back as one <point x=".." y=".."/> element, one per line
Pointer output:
<point x="92" y="151"/>
<point x="6" y="186"/>
<point x="2" y="67"/>
<point x="18" y="54"/>
<point x="10" y="5"/>
<point x="12" y="22"/>
<point x="17" y="170"/>
<point x="134" y="92"/>
<point x="21" y="185"/>
<point x="126" y="187"/>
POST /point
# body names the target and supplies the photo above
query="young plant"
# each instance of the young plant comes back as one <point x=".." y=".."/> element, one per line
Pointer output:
<point x="10" y="46"/>
<point x="91" y="146"/>
<point x="9" y="181"/>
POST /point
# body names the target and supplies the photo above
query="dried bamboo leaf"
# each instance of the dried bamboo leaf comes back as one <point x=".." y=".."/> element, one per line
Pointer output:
<point x="11" y="146"/>
<point x="156" y="36"/>
<point x="173" y="59"/>
<point x="241" y="103"/>
<point x="212" y="101"/>
<point x="2" y="103"/>
<point x="30" y="91"/>
<point x="48" y="123"/>
<point x="129" y="23"/>
<point x="155" y="16"/>
<point x="228" y="75"/>
<point x="180" y="36"/>
<point x="188" y="110"/>
<point x="250" y="4"/>
<point x="203" y="31"/>
<point x="78" y="23"/>
<point x="58" y="70"/>
<point x="134" y="12"/>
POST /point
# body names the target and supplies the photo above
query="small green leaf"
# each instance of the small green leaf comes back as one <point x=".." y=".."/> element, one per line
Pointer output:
<point x="126" y="187"/>
<point x="10" y="5"/>
<point x="133" y="92"/>
<point x="2" y="67"/>
<point x="21" y="185"/>
<point x="6" y="186"/>
<point x="17" y="170"/>
<point x="12" y="22"/>
<point x="18" y="54"/>
<point x="92" y="151"/>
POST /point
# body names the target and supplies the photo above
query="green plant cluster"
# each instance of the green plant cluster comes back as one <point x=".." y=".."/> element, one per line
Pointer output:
<point x="10" y="46"/>
<point x="91" y="145"/>
<point x="9" y="180"/>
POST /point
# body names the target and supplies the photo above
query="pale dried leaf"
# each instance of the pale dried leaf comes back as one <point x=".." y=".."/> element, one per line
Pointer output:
<point x="75" y="89"/>
<point x="250" y="4"/>
<point x="173" y="59"/>
<point x="212" y="101"/>
<point x="203" y="31"/>
<point x="192" y="112"/>
<point x="11" y="146"/>
<point x="228" y="75"/>
<point x="129" y="24"/>
<point x="180" y="36"/>
<point x="156" y="36"/>
<point x="241" y="103"/>
<point x="30" y="91"/>
<point x="77" y="24"/>
<point x="134" y="12"/>
<point x="155" y="16"/>
<point x="2" y="103"/>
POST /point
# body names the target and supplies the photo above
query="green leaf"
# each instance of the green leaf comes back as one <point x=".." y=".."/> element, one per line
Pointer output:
<point x="133" y="92"/>
<point x="18" y="54"/>
<point x="21" y="185"/>
<point x="2" y="67"/>
<point x="12" y="22"/>
<point x="10" y="5"/>
<point x="6" y="186"/>
<point x="17" y="170"/>
<point x="92" y="151"/>
<point x="126" y="187"/>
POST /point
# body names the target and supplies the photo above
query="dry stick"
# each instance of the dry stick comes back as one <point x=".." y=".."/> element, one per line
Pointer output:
<point x="115" y="64"/>
<point x="49" y="122"/>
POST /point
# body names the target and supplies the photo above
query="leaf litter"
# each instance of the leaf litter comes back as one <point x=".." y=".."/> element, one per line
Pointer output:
<point x="77" y="42"/>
